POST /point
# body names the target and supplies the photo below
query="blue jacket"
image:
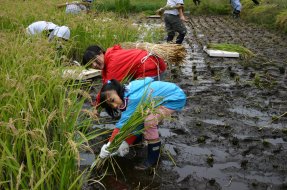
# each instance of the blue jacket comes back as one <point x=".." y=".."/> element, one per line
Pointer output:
<point x="171" y="95"/>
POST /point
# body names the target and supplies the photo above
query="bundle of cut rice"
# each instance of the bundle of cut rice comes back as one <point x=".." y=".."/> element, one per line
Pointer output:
<point x="171" y="53"/>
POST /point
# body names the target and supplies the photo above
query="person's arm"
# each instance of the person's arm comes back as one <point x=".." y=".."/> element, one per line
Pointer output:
<point x="62" y="5"/>
<point x="181" y="13"/>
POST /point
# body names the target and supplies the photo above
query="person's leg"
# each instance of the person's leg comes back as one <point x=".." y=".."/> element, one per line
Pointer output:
<point x="236" y="5"/>
<point x="169" y="27"/>
<point x="179" y="27"/>
<point x="152" y="136"/>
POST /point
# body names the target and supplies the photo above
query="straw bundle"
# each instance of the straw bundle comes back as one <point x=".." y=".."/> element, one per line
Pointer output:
<point x="171" y="53"/>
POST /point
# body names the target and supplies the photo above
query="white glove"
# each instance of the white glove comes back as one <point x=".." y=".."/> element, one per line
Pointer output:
<point x="104" y="152"/>
<point x="123" y="149"/>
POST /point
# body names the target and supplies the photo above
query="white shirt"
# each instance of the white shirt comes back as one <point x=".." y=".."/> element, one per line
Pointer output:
<point x="40" y="26"/>
<point x="173" y="3"/>
<point x="75" y="8"/>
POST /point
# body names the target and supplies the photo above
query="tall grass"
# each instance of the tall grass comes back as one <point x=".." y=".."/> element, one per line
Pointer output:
<point x="270" y="14"/>
<point x="42" y="125"/>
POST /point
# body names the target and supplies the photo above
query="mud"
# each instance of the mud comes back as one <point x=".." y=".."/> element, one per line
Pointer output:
<point x="230" y="134"/>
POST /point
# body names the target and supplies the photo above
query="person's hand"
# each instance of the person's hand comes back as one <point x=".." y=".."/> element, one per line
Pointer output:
<point x="183" y="18"/>
<point x="123" y="149"/>
<point x="104" y="152"/>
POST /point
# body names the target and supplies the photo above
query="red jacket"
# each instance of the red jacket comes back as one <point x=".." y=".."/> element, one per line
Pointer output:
<point x="120" y="63"/>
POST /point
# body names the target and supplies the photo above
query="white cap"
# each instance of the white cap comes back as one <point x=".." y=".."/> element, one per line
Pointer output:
<point x="61" y="32"/>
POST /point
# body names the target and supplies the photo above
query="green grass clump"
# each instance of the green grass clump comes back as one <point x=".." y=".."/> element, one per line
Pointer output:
<point x="244" y="52"/>
<point x="271" y="14"/>
<point x="211" y="7"/>
<point x="43" y="126"/>
<point x="281" y="20"/>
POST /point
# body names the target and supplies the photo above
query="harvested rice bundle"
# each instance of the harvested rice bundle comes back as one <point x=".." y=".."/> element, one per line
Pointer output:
<point x="171" y="53"/>
<point x="244" y="52"/>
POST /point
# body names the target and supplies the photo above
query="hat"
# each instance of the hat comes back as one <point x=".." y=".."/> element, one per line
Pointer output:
<point x="61" y="32"/>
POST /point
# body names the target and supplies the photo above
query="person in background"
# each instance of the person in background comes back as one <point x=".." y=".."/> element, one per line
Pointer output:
<point x="174" y="21"/>
<point x="256" y="2"/>
<point x="196" y="2"/>
<point x="115" y="96"/>
<point x="76" y="7"/>
<point x="118" y="63"/>
<point x="49" y="29"/>
<point x="236" y="6"/>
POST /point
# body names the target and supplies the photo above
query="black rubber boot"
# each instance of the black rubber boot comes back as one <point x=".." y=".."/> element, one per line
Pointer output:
<point x="169" y="38"/>
<point x="180" y="38"/>
<point x="236" y="14"/>
<point x="152" y="156"/>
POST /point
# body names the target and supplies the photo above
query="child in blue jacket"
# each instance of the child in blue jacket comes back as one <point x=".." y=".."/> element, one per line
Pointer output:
<point x="115" y="96"/>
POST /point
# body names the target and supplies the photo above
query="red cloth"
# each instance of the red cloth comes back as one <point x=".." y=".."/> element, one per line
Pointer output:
<point x="115" y="132"/>
<point x="120" y="63"/>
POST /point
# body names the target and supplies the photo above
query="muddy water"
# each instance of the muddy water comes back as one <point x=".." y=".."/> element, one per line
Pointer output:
<point x="229" y="135"/>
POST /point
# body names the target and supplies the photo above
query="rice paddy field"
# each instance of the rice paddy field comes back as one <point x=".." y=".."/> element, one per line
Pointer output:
<point x="231" y="135"/>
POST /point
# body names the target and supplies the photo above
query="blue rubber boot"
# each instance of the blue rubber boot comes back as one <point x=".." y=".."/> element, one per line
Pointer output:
<point x="152" y="156"/>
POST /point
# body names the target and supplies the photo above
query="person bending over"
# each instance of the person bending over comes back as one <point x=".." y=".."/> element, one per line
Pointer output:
<point x="115" y="96"/>
<point x="118" y="63"/>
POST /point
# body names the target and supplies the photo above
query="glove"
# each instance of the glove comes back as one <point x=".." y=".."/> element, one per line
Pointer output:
<point x="123" y="149"/>
<point x="104" y="152"/>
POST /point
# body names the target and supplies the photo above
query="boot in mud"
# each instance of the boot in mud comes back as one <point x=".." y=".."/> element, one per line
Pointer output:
<point x="236" y="14"/>
<point x="170" y="37"/>
<point x="152" y="156"/>
<point x="180" y="38"/>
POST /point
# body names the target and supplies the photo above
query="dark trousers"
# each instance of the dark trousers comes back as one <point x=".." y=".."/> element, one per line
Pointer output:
<point x="173" y="24"/>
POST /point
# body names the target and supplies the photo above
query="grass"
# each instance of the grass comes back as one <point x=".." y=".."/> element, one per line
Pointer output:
<point x="244" y="52"/>
<point x="270" y="14"/>
<point x="43" y="126"/>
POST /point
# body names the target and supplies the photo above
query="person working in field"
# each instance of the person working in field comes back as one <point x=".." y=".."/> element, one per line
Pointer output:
<point x="174" y="19"/>
<point x="236" y="5"/>
<point x="114" y="96"/>
<point x="118" y="63"/>
<point x="76" y="7"/>
<point x="49" y="29"/>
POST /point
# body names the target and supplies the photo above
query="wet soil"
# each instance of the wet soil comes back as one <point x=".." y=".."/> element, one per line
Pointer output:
<point x="231" y="134"/>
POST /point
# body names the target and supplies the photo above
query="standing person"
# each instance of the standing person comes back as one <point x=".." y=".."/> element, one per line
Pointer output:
<point x="196" y="2"/>
<point x="50" y="29"/>
<point x="174" y="21"/>
<point x="236" y="5"/>
<point x="118" y="63"/>
<point x="76" y="7"/>
<point x="115" y="96"/>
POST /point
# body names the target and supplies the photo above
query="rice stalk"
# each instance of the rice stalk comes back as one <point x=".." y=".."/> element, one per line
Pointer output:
<point x="19" y="176"/>
<point x="171" y="53"/>
<point x="244" y="52"/>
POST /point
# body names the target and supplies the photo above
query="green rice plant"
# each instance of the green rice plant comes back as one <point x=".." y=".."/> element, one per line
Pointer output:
<point x="281" y="20"/>
<point x="211" y="7"/>
<point x="122" y="6"/>
<point x="244" y="52"/>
